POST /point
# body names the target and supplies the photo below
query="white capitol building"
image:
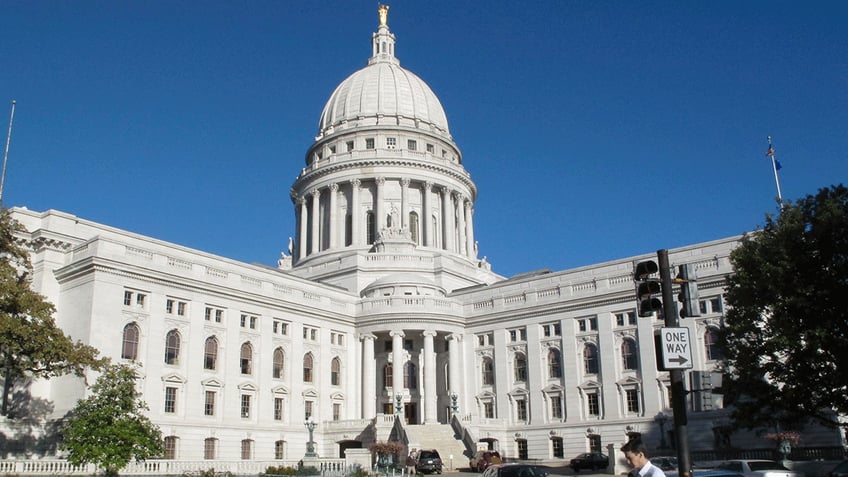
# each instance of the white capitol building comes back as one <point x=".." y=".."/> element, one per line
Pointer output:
<point x="382" y="321"/>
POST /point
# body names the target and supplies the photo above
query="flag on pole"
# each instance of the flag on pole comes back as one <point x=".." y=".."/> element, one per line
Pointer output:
<point x="777" y="165"/>
<point x="770" y="151"/>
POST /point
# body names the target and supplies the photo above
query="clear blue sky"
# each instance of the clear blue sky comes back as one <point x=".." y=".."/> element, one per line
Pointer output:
<point x="595" y="130"/>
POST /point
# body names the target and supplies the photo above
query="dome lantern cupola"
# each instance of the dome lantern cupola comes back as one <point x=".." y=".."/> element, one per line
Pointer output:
<point x="383" y="41"/>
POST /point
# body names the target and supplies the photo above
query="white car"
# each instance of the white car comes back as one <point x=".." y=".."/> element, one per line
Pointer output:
<point x="758" y="468"/>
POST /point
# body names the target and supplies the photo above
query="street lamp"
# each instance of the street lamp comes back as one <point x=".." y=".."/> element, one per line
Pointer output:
<point x="398" y="404"/>
<point x="661" y="419"/>
<point x="310" y="444"/>
<point x="454" y="406"/>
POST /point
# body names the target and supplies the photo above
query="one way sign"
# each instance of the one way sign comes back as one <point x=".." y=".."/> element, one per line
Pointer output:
<point x="676" y="349"/>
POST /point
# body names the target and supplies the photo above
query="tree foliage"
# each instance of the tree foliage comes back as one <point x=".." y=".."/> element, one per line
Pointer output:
<point x="785" y="339"/>
<point x="31" y="345"/>
<point x="109" y="427"/>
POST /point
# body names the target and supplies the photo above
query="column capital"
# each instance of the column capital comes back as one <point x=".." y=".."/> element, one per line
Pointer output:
<point x="355" y="183"/>
<point x="334" y="187"/>
<point x="395" y="333"/>
<point x="429" y="333"/>
<point x="428" y="185"/>
<point x="367" y="336"/>
<point x="405" y="182"/>
<point x="380" y="180"/>
<point x="453" y="337"/>
<point x="315" y="192"/>
<point x="301" y="200"/>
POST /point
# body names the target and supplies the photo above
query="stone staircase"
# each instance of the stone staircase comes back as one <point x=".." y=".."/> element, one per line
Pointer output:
<point x="442" y="438"/>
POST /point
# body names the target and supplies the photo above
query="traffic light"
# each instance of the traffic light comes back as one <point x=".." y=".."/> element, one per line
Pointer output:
<point x="688" y="296"/>
<point x="647" y="287"/>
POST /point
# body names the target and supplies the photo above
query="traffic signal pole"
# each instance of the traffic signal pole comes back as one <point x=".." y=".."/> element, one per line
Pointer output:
<point x="678" y="390"/>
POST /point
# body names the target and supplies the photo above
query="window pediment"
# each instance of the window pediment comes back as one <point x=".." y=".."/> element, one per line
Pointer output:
<point x="247" y="387"/>
<point x="590" y="384"/>
<point x="280" y="390"/>
<point x="310" y="393"/>
<point x="173" y="378"/>
<point x="212" y="383"/>
<point x="519" y="392"/>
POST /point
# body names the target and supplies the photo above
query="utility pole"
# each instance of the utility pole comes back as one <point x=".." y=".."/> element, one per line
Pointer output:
<point x="678" y="389"/>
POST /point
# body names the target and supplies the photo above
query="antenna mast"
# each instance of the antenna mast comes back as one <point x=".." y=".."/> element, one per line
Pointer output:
<point x="6" y="154"/>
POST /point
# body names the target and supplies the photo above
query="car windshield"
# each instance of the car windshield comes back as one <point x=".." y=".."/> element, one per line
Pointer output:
<point x="428" y="455"/>
<point x="765" y="465"/>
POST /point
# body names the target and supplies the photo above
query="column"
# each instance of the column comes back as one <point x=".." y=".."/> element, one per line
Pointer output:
<point x="355" y="215"/>
<point x="447" y="219"/>
<point x="453" y="362"/>
<point x="379" y="212"/>
<point x="469" y="230"/>
<point x="397" y="362"/>
<point x="460" y="226"/>
<point x="304" y="220"/>
<point x="429" y="392"/>
<point x="316" y="217"/>
<point x="404" y="204"/>
<point x="369" y="377"/>
<point x="426" y="220"/>
<point x="333" y="229"/>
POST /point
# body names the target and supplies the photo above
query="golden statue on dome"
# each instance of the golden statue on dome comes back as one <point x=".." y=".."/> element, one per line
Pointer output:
<point x="383" y="11"/>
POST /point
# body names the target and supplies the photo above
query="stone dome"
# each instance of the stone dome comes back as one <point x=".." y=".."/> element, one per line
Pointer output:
<point x="384" y="94"/>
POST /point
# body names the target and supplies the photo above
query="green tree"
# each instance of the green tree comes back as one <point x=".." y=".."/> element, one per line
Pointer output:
<point x="109" y="427"/>
<point x="31" y="345"/>
<point x="787" y="325"/>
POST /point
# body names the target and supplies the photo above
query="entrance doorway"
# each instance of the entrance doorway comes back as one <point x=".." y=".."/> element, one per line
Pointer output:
<point x="410" y="412"/>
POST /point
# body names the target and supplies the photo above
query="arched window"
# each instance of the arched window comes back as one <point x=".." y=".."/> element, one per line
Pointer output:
<point x="307" y="368"/>
<point x="413" y="227"/>
<point x="554" y="364"/>
<point x="712" y="345"/>
<point x="590" y="359"/>
<point x="410" y="375"/>
<point x="210" y="353"/>
<point x="488" y="371"/>
<point x="520" y="363"/>
<point x="129" y="350"/>
<point x="172" y="347"/>
<point x="279" y="363"/>
<point x="387" y="376"/>
<point x="246" y="359"/>
<point x="629" y="358"/>
<point x="170" y="448"/>
<point x="370" y="228"/>
<point x="335" y="372"/>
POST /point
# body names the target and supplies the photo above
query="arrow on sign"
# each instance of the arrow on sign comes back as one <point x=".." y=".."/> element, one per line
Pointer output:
<point x="679" y="360"/>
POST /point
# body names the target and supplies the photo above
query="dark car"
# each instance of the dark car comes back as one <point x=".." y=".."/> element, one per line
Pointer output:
<point x="590" y="460"/>
<point x="514" y="470"/>
<point x="840" y="470"/>
<point x="428" y="461"/>
<point x="665" y="462"/>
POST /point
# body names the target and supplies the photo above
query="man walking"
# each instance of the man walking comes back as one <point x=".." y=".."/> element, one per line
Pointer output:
<point x="637" y="456"/>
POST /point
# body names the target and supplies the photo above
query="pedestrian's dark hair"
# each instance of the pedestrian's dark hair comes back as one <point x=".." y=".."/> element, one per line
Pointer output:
<point x="635" y="446"/>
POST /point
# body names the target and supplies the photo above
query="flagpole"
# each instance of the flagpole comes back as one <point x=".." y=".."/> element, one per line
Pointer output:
<point x="776" y="177"/>
<point x="6" y="154"/>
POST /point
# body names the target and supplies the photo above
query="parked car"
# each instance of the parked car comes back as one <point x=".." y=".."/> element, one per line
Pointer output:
<point x="665" y="462"/>
<point x="428" y="461"/>
<point x="590" y="460"/>
<point x="840" y="470"/>
<point x="514" y="470"/>
<point x="483" y="459"/>
<point x="707" y="473"/>
<point x="758" y="468"/>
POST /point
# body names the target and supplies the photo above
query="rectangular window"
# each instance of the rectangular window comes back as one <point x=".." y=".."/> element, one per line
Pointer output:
<point x="513" y="335"/>
<point x="207" y="314"/>
<point x="245" y="405"/>
<point x="715" y="305"/>
<point x="281" y="327"/>
<point x="181" y="308"/>
<point x="170" y="400"/>
<point x="581" y="325"/>
<point x="430" y="148"/>
<point x="246" y="449"/>
<point x="209" y="446"/>
<point x="522" y="448"/>
<point x="632" y="397"/>
<point x="557" y="446"/>
<point x="127" y="298"/>
<point x="337" y="411"/>
<point x="369" y="143"/>
<point x="556" y="407"/>
<point x="412" y="145"/>
<point x="253" y="322"/>
<point x="313" y="335"/>
<point x="209" y="404"/>
<point x="307" y="409"/>
<point x="249" y="321"/>
<point x="593" y="324"/>
<point x="349" y="146"/>
<point x="219" y="316"/>
<point x="391" y="142"/>
<point x="521" y="410"/>
<point x="594" y="404"/>
<point x="280" y="450"/>
<point x="278" y="409"/>
<point x="489" y="410"/>
<point x="481" y="340"/>
<point x="169" y="306"/>
<point x="333" y="149"/>
<point x="139" y="299"/>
